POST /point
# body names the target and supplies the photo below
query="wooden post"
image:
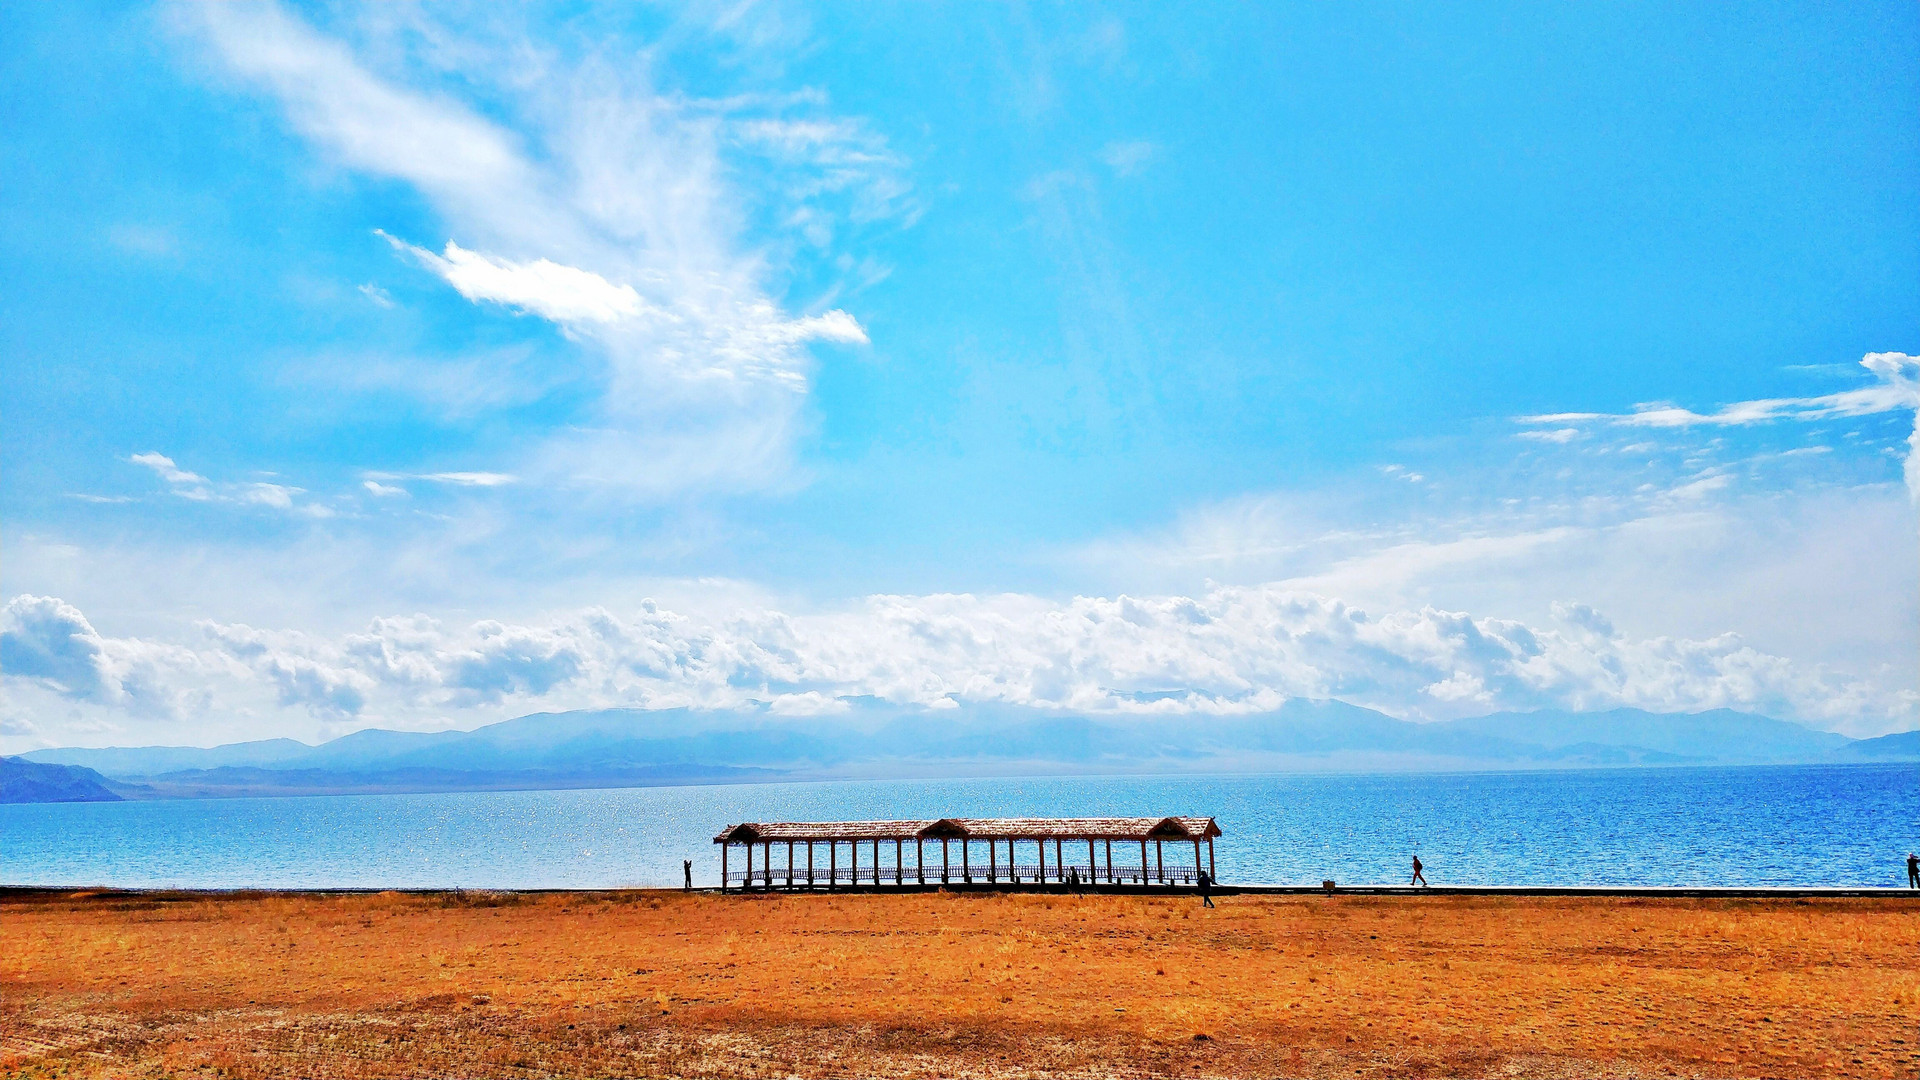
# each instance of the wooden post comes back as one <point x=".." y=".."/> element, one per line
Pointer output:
<point x="920" y="858"/>
<point x="748" y="884"/>
<point x="966" y="865"/>
<point x="945" y="866"/>
<point x="1143" y="862"/>
<point x="809" y="863"/>
<point x="789" y="866"/>
<point x="853" y="860"/>
<point x="1040" y="848"/>
<point x="899" y="861"/>
<point x="767" y="852"/>
<point x="1093" y="868"/>
<point x="1211" y="872"/>
<point x="1196" y="860"/>
<point x="1059" y="861"/>
<point x="833" y="864"/>
<point x="723" y="866"/>
<point x="876" y="862"/>
<point x="1160" y="860"/>
<point x="1109" y="862"/>
<point x="993" y="860"/>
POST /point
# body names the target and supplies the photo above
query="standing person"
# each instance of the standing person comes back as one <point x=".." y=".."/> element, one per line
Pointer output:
<point x="1913" y="871"/>
<point x="1418" y="877"/>
<point x="1205" y="881"/>
<point x="686" y="866"/>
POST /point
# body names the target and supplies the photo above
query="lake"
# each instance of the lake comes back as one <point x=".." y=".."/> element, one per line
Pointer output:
<point x="1848" y="825"/>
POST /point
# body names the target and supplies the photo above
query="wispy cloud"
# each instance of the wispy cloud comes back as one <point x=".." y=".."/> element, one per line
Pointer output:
<point x="1552" y="435"/>
<point x="598" y="203"/>
<point x="193" y="486"/>
<point x="1897" y="389"/>
<point x="470" y="479"/>
<point x="1127" y="158"/>
<point x="167" y="470"/>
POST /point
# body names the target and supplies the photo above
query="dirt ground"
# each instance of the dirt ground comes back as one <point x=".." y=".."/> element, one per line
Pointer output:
<point x="954" y="985"/>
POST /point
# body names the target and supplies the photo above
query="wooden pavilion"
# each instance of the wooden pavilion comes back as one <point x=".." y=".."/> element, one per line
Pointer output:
<point x="876" y="852"/>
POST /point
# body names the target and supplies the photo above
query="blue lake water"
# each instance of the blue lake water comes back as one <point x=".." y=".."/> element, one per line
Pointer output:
<point x="1793" y="825"/>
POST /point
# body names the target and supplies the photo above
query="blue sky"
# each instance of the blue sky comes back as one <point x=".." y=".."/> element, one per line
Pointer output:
<point x="359" y="359"/>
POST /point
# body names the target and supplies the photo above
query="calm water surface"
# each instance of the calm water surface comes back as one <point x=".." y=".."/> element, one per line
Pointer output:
<point x="1792" y="825"/>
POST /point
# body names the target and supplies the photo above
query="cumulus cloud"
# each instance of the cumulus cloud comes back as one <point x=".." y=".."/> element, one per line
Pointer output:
<point x="49" y="643"/>
<point x="1228" y="650"/>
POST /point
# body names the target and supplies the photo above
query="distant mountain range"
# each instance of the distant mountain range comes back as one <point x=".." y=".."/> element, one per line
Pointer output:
<point x="34" y="782"/>
<point x="635" y="747"/>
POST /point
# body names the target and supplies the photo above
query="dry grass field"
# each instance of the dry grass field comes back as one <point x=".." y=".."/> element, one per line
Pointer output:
<point x="942" y="985"/>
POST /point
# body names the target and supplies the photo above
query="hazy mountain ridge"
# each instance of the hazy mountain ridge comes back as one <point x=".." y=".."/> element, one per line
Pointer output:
<point x="635" y="747"/>
<point x="23" y="781"/>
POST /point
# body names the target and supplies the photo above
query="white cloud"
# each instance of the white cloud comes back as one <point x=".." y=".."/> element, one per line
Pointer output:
<point x="1801" y="554"/>
<point x="379" y="296"/>
<point x="1226" y="650"/>
<point x="168" y="471"/>
<point x="365" y="122"/>
<point x="382" y="491"/>
<point x="191" y="485"/>
<point x="562" y="294"/>
<point x="1554" y="435"/>
<point x="47" y="643"/>
<point x="278" y="496"/>
<point x="587" y="198"/>
<point x="1127" y="158"/>
<point x="1898" y="389"/>
<point x="469" y="479"/>
<point x="831" y="326"/>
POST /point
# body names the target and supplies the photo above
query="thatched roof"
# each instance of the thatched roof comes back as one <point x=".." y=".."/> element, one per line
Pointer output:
<point x="1105" y="828"/>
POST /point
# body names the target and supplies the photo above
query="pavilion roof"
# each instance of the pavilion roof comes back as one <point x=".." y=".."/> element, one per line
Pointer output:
<point x="1023" y="828"/>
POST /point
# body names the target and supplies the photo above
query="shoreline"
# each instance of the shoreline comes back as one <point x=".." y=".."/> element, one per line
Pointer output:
<point x="1730" y="892"/>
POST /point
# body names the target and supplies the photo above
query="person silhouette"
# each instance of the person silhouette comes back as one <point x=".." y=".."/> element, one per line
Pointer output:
<point x="1205" y="881"/>
<point x="686" y="867"/>
<point x="1418" y="877"/>
<point x="1913" y="871"/>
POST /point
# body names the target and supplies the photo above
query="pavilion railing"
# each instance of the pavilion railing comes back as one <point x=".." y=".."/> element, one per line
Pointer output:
<point x="778" y="877"/>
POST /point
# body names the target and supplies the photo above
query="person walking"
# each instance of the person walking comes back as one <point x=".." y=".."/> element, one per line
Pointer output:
<point x="1418" y="877"/>
<point x="1913" y="871"/>
<point x="686" y="867"/>
<point x="1205" y="881"/>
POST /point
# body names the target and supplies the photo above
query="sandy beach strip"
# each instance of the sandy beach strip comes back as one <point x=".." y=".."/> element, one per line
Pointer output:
<point x="650" y="983"/>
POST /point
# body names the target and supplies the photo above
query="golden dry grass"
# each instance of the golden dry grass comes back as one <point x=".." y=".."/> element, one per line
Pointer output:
<point x="939" y="985"/>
